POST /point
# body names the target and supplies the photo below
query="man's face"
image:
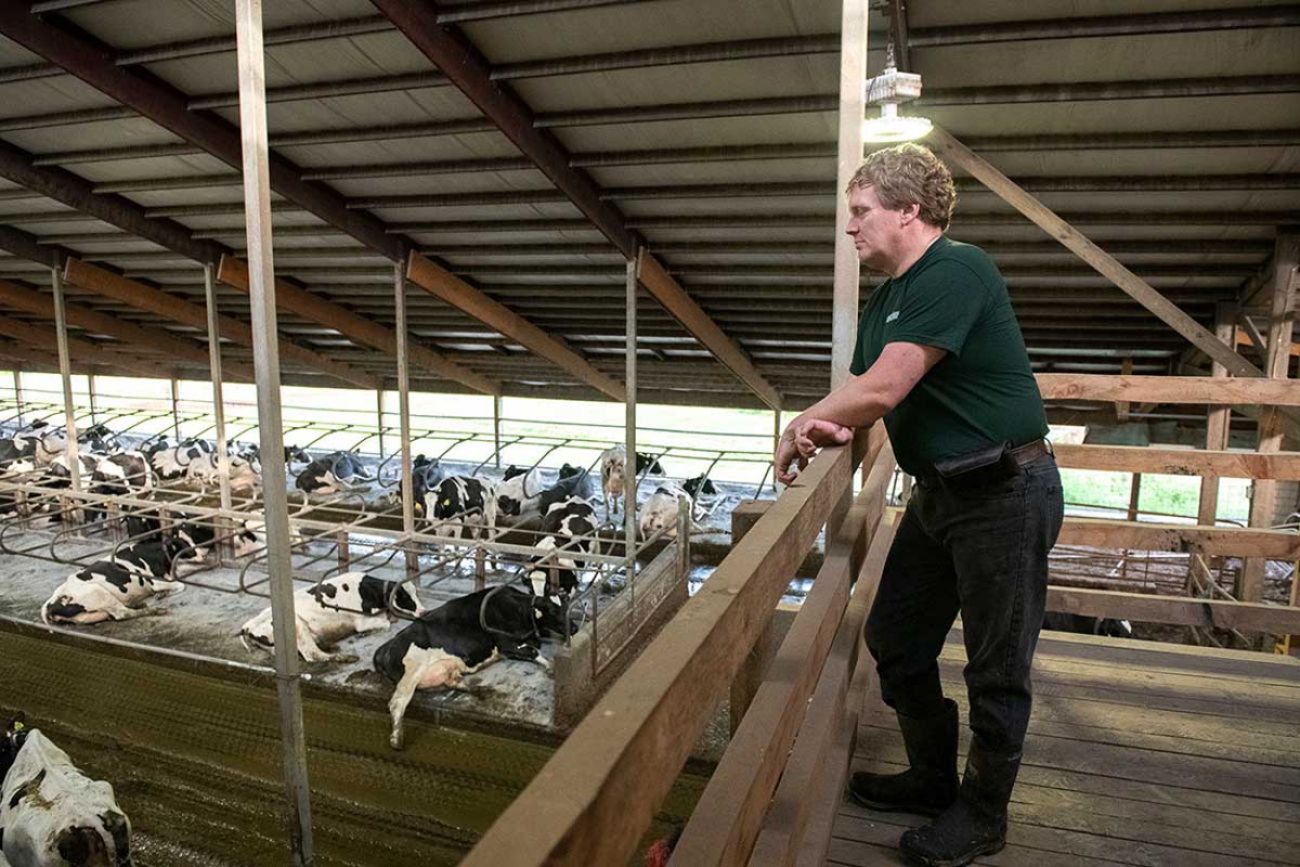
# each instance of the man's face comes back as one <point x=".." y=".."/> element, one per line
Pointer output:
<point x="875" y="230"/>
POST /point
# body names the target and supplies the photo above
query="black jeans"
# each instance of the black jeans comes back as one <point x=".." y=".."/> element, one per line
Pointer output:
<point x="983" y="553"/>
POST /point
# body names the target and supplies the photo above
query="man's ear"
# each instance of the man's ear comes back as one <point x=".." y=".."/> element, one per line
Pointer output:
<point x="908" y="214"/>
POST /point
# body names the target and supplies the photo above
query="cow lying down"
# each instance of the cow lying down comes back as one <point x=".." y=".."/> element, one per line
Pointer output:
<point x="51" y="815"/>
<point x="337" y="608"/>
<point x="111" y="590"/>
<point x="462" y="637"/>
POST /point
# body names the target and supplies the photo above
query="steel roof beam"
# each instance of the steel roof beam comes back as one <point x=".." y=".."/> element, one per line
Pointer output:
<point x="142" y="297"/>
<point x="92" y="61"/>
<point x="451" y="52"/>
<point x="30" y="301"/>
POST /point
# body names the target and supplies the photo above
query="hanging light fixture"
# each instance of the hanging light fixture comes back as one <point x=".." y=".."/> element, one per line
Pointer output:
<point x="888" y="90"/>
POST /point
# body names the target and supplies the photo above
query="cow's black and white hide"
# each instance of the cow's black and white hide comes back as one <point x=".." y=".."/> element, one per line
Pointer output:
<point x="462" y="637"/>
<point x="517" y="494"/>
<point x="568" y="529"/>
<point x="462" y="506"/>
<point x="700" y="486"/>
<point x="337" y="608"/>
<point x="648" y="464"/>
<point x="613" y="473"/>
<point x="173" y="462"/>
<point x="16" y="472"/>
<point x="122" y="473"/>
<point x="1087" y="625"/>
<point x="199" y="539"/>
<point x="426" y="473"/>
<point x="335" y="472"/>
<point x="153" y="558"/>
<point x="58" y="472"/>
<point x="98" y="438"/>
<point x="585" y="488"/>
<point x="41" y="441"/>
<point x="51" y="814"/>
<point x="660" y="512"/>
<point x="564" y="489"/>
<point x="245" y="476"/>
<point x="104" y="591"/>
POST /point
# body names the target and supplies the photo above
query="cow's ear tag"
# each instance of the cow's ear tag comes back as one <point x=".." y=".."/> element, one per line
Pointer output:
<point x="446" y="502"/>
<point x="19" y="725"/>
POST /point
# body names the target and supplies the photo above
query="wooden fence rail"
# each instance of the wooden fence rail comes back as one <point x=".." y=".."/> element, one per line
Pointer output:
<point x="594" y="799"/>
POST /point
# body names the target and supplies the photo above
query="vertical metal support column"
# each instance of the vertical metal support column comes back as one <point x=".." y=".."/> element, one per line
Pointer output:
<point x="218" y="393"/>
<point x="65" y="371"/>
<point x="404" y="414"/>
<point x="844" y="314"/>
<point x="266" y="361"/>
<point x="853" y="77"/>
<point x="90" y="391"/>
<point x="18" y="394"/>
<point x="631" y="478"/>
<point x="379" y="418"/>
<point x="496" y="427"/>
<point x="176" y="410"/>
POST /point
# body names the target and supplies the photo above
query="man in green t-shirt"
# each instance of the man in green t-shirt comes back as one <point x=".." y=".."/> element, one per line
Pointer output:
<point x="941" y="359"/>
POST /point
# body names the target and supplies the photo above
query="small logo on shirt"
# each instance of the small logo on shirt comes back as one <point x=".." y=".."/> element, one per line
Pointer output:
<point x="891" y="317"/>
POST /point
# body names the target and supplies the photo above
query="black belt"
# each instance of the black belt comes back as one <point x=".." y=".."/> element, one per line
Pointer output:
<point x="1022" y="455"/>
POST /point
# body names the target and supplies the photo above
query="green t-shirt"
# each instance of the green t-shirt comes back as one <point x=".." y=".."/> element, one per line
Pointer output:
<point x="983" y="391"/>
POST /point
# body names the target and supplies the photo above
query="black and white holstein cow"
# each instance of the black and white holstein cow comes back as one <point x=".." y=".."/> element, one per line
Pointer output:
<point x="1085" y="625"/>
<point x="337" y="608"/>
<point x="335" y="472"/>
<point x="51" y="814"/>
<point x="568" y="528"/>
<point x="105" y="590"/>
<point x="660" y="512"/>
<point x="517" y="495"/>
<point x="426" y="473"/>
<point x="173" y="462"/>
<point x="462" y="637"/>
<point x="462" y="506"/>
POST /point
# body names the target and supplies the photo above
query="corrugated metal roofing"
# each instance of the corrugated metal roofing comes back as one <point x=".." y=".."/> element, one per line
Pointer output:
<point x="1170" y="135"/>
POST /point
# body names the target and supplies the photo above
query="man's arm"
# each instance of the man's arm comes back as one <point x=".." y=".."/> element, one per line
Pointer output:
<point x="859" y="402"/>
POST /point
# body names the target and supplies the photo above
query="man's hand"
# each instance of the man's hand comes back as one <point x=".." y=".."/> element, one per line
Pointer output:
<point x="816" y="433"/>
<point x="800" y="442"/>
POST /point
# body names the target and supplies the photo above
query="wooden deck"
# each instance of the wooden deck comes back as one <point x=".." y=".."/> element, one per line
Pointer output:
<point x="1138" y="753"/>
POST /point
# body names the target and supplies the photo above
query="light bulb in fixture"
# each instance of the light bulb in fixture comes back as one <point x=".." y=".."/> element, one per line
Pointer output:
<point x="891" y="127"/>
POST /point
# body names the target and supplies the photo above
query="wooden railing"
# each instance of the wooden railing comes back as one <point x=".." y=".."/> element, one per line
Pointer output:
<point x="773" y="797"/>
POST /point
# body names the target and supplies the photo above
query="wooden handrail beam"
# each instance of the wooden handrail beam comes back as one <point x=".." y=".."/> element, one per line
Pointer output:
<point x="730" y="811"/>
<point x="142" y="297"/>
<point x="1168" y="389"/>
<point x="1176" y="610"/>
<point x="1179" y="462"/>
<point x="594" y="798"/>
<point x="1142" y="536"/>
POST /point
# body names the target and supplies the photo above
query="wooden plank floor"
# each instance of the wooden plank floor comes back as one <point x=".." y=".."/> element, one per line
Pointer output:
<point x="1138" y="753"/>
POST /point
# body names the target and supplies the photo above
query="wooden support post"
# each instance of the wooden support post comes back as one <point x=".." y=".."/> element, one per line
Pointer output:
<point x="1218" y="422"/>
<point x="496" y="428"/>
<point x="18" y="394"/>
<point x="1134" y="492"/>
<point x="379" y="421"/>
<point x="754" y="668"/>
<point x="176" y="411"/>
<point x="1263" y="499"/>
<point x="1121" y="406"/>
<point x="90" y="392"/>
<point x="345" y="552"/>
<point x="480" y="568"/>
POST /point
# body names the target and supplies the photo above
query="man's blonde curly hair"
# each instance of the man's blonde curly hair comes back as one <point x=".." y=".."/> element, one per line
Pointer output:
<point x="906" y="174"/>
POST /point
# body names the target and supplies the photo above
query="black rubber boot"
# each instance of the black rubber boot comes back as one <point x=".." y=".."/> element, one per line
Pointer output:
<point x="977" y="823"/>
<point x="929" y="786"/>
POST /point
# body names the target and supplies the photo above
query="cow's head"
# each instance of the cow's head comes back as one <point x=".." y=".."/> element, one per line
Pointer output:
<point x="143" y="526"/>
<point x="374" y="597"/>
<point x="296" y="455"/>
<point x="195" y="540"/>
<point x="15" y="735"/>
<point x="1113" y="628"/>
<point x="548" y="611"/>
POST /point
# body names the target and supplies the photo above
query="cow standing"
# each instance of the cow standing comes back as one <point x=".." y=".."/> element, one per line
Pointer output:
<point x="52" y="815"/>
<point x="462" y="637"/>
<point x="613" y="478"/>
<point x="462" y="506"/>
<point x="568" y="528"/>
<point x="337" y="608"/>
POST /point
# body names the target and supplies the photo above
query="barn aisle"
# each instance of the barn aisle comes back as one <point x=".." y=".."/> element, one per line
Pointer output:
<point x="1138" y="753"/>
